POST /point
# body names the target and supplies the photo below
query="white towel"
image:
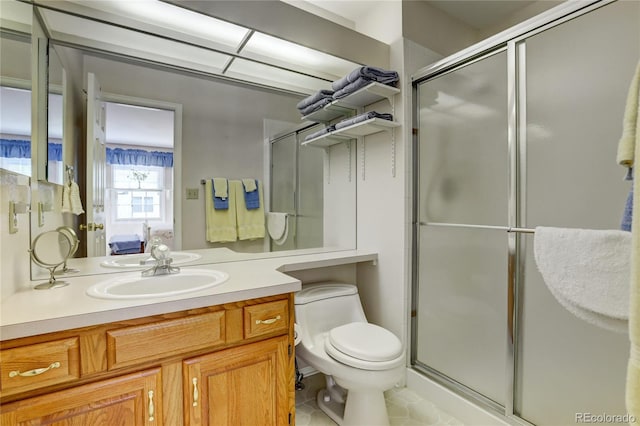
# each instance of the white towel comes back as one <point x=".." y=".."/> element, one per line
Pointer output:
<point x="587" y="271"/>
<point x="66" y="200"/>
<point x="630" y="123"/>
<point x="71" y="202"/>
<point x="278" y="227"/>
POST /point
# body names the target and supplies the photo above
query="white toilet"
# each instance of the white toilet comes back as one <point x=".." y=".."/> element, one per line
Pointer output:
<point x="360" y="360"/>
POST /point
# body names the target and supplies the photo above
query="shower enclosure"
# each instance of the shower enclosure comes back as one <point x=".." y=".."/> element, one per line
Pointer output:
<point x="518" y="132"/>
<point x="297" y="189"/>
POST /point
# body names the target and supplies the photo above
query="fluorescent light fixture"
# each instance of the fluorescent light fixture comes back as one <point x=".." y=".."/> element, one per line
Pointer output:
<point x="265" y="46"/>
<point x="129" y="42"/>
<point x="173" y="17"/>
<point x="206" y="41"/>
<point x="272" y="76"/>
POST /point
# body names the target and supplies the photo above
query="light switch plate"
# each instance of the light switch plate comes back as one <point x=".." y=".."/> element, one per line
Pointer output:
<point x="192" y="193"/>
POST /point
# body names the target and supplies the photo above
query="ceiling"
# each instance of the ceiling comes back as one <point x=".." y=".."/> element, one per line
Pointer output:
<point x="479" y="14"/>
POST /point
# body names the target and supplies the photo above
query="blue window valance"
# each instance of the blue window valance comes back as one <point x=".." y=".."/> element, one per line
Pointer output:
<point x="54" y="151"/>
<point x="139" y="157"/>
<point x="13" y="148"/>
<point x="16" y="148"/>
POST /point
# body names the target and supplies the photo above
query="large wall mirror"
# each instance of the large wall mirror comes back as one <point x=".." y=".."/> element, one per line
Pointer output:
<point x="148" y="119"/>
<point x="15" y="88"/>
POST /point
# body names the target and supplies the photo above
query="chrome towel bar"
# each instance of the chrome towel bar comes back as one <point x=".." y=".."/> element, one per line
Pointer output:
<point x="498" y="228"/>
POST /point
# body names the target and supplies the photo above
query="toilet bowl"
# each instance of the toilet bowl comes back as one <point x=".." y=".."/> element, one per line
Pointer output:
<point x="360" y="360"/>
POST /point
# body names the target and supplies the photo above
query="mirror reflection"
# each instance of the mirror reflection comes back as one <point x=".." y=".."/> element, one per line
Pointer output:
<point x="55" y="84"/>
<point x="15" y="102"/>
<point x="155" y="134"/>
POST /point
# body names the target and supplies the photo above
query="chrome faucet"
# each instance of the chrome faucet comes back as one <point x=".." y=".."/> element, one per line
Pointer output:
<point x="160" y="253"/>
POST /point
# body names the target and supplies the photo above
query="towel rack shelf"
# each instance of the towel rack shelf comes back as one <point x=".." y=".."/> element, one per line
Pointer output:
<point x="347" y="107"/>
<point x="363" y="128"/>
<point x="327" y="140"/>
<point x="494" y="227"/>
<point x="367" y="95"/>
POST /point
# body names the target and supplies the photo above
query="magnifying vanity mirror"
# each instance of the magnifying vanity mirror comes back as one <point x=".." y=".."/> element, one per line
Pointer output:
<point x="50" y="250"/>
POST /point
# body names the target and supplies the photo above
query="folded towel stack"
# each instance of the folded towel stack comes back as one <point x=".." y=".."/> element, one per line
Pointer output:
<point x="220" y="189"/>
<point x="361" y="77"/>
<point x="250" y="217"/>
<point x="220" y="224"/>
<point x="362" y="117"/>
<point x="243" y="218"/>
<point x="320" y="132"/>
<point x="125" y="244"/>
<point x="355" y="80"/>
<point x="315" y="102"/>
<point x="251" y="194"/>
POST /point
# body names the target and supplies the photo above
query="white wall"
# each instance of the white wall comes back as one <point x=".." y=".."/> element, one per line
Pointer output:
<point x="14" y="247"/>
<point x="433" y="28"/>
<point x="384" y="203"/>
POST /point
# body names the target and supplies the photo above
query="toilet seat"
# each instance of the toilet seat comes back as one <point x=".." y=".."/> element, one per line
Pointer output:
<point x="365" y="346"/>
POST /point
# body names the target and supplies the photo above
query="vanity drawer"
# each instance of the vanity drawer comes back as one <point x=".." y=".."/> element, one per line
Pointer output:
<point x="151" y="342"/>
<point x="39" y="365"/>
<point x="266" y="318"/>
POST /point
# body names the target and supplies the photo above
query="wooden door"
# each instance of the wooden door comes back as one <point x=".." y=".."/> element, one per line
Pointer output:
<point x="243" y="386"/>
<point x="134" y="399"/>
<point x="96" y="169"/>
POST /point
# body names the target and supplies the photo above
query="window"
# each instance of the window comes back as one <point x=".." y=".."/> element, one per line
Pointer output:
<point x="139" y="192"/>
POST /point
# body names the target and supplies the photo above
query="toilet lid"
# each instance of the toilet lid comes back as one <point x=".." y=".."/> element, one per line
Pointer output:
<point x="364" y="341"/>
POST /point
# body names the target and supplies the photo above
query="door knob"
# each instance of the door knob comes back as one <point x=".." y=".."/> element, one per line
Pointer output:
<point x="91" y="226"/>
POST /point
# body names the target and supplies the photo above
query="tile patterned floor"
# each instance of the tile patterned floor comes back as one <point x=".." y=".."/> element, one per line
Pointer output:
<point x="405" y="408"/>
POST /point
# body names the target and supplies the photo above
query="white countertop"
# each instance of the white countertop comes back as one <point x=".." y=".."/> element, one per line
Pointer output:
<point x="33" y="312"/>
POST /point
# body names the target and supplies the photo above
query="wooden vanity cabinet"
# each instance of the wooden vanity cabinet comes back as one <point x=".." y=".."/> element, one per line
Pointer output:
<point x="132" y="399"/>
<point x="228" y="364"/>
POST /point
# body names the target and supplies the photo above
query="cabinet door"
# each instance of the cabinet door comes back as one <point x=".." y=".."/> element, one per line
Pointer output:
<point x="133" y="399"/>
<point x="247" y="385"/>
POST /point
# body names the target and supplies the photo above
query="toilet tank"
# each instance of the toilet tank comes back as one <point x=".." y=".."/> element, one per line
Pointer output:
<point x="319" y="307"/>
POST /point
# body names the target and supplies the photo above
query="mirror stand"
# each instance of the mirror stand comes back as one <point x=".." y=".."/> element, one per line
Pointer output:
<point x="50" y="250"/>
<point x="52" y="283"/>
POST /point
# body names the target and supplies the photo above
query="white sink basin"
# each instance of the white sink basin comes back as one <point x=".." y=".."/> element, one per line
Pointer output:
<point x="135" y="286"/>
<point x="133" y="260"/>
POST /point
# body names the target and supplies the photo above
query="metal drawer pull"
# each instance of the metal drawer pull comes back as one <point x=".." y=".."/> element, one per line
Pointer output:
<point x="151" y="407"/>
<point x="268" y="321"/>
<point x="35" y="371"/>
<point x="195" y="392"/>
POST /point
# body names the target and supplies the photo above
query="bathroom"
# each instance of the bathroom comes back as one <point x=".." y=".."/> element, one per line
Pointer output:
<point x="407" y="36"/>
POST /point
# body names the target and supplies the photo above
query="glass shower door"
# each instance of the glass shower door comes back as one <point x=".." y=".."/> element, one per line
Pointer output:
<point x="297" y="189"/>
<point x="283" y="184"/>
<point x="461" y="309"/>
<point x="576" y="87"/>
